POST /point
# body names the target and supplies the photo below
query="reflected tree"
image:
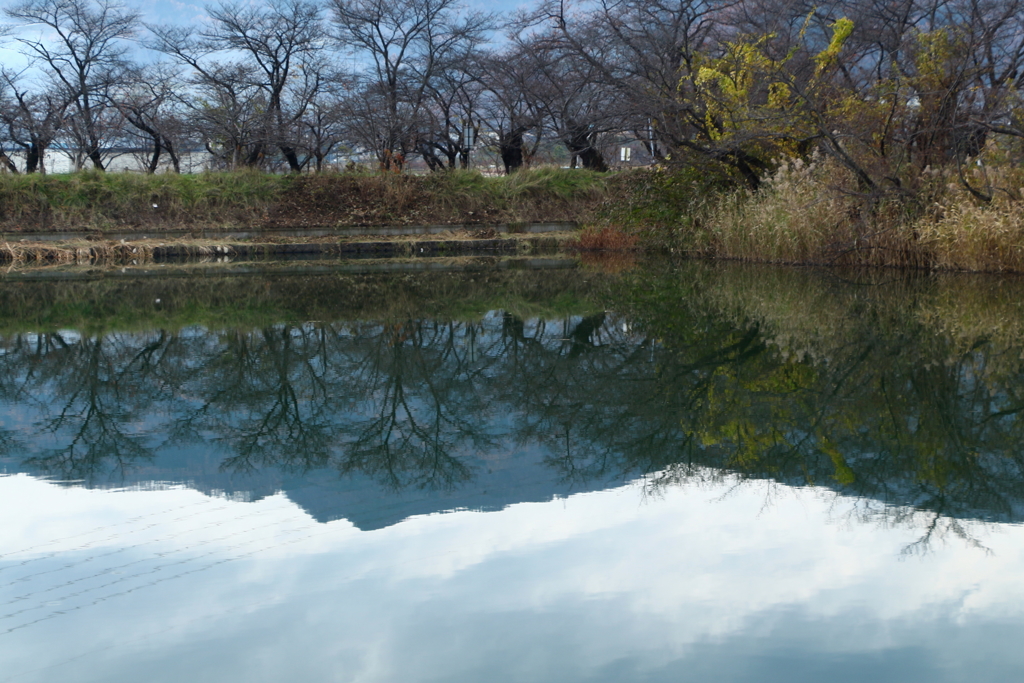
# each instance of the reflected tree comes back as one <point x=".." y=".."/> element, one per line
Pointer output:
<point x="675" y="381"/>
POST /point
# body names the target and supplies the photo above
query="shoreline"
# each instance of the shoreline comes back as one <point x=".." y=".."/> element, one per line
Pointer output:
<point x="152" y="250"/>
<point x="800" y="218"/>
<point x="98" y="251"/>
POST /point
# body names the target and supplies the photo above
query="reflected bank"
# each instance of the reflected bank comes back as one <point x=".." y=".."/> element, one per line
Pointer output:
<point x="481" y="387"/>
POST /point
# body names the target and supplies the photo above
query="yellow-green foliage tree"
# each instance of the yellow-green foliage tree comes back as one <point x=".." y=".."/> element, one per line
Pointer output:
<point x="781" y="108"/>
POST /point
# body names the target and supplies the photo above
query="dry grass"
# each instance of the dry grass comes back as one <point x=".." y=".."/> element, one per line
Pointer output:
<point x="82" y="252"/>
<point x="962" y="233"/>
<point x="544" y="194"/>
<point x="980" y="238"/>
<point x="604" y="239"/>
<point x="813" y="213"/>
<point x="56" y="254"/>
<point x="24" y="253"/>
<point x="797" y="216"/>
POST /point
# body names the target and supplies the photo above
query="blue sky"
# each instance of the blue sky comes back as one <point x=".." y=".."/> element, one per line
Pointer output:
<point x="163" y="12"/>
<point x="177" y="11"/>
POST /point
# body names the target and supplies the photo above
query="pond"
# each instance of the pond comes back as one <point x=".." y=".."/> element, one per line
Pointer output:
<point x="511" y="470"/>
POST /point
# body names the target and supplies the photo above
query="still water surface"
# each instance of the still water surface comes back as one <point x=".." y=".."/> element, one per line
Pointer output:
<point x="675" y="472"/>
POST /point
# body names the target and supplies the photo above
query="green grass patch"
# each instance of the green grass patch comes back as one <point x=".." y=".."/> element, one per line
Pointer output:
<point x="665" y="207"/>
<point x="125" y="201"/>
<point x="99" y="201"/>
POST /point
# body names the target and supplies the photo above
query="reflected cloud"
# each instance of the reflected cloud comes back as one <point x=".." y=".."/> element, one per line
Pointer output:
<point x="593" y="586"/>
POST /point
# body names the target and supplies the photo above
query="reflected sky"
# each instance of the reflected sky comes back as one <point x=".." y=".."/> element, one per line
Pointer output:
<point x="723" y="579"/>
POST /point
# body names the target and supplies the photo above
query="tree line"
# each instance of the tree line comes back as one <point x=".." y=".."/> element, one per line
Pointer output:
<point x="885" y="88"/>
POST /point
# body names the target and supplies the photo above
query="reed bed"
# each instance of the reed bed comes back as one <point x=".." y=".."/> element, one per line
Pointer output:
<point x="783" y="221"/>
<point x="814" y="214"/>
<point x="976" y="238"/>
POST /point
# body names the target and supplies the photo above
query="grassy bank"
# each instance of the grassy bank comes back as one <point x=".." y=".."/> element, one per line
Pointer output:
<point x="128" y="201"/>
<point x="806" y="213"/>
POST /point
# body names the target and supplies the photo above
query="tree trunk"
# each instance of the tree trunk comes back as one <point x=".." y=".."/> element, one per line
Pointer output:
<point x="8" y="163"/>
<point x="255" y="157"/>
<point x="93" y="150"/>
<point x="430" y="156"/>
<point x="581" y="144"/>
<point x="175" y="162"/>
<point x="511" y="148"/>
<point x="33" y="155"/>
<point x="95" y="158"/>
<point x="154" y="160"/>
<point x="292" y="158"/>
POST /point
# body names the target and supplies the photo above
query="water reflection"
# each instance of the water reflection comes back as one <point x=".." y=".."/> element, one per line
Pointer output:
<point x="705" y="582"/>
<point x="741" y="460"/>
<point x="683" y="371"/>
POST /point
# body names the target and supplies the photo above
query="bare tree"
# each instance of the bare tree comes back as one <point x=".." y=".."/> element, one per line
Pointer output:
<point x="323" y="126"/>
<point x="83" y="50"/>
<point x="32" y="119"/>
<point x="449" y="124"/>
<point x="147" y="100"/>
<point x="275" y="57"/>
<point x="7" y="114"/>
<point x="510" y="109"/>
<point x="567" y="92"/>
<point x="407" y="43"/>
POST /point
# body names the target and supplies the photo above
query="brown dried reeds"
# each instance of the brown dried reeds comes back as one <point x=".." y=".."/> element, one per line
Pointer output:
<point x="604" y="239"/>
<point x="793" y="218"/>
<point x="814" y="214"/>
<point x="111" y="253"/>
<point x="17" y="254"/>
